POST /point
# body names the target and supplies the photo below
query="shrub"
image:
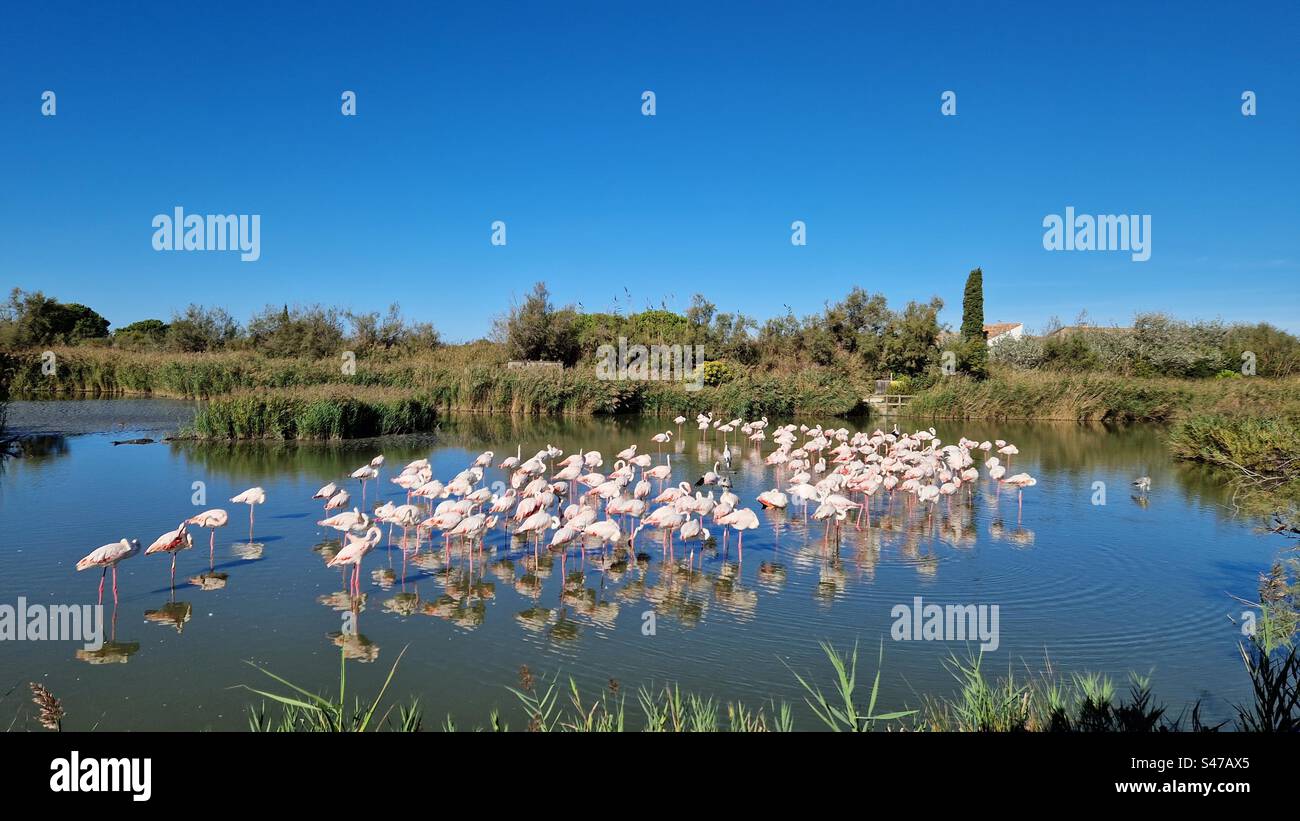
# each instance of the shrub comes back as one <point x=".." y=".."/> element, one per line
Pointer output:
<point x="718" y="372"/>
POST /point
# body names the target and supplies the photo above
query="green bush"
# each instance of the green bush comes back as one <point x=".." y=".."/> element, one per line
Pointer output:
<point x="717" y="373"/>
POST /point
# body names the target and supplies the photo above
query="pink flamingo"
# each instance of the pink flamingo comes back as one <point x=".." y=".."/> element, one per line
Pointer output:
<point x="210" y="520"/>
<point x="1020" y="481"/>
<point x="108" y="556"/>
<point x="365" y="473"/>
<point x="173" y="541"/>
<point x="356" y="550"/>
<point x="740" y="520"/>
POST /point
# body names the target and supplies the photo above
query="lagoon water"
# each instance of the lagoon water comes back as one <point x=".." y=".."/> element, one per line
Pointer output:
<point x="1143" y="584"/>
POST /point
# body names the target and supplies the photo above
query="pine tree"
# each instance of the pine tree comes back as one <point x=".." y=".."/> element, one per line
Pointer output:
<point x="972" y="326"/>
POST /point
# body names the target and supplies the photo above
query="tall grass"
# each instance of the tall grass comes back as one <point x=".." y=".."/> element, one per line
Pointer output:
<point x="1082" y="703"/>
<point x="305" y="711"/>
<point x="1264" y="449"/>
<point x="666" y="709"/>
<point x="842" y="712"/>
<point x="463" y="378"/>
<point x="1101" y="397"/>
<point x="331" y="412"/>
<point x="1261" y="455"/>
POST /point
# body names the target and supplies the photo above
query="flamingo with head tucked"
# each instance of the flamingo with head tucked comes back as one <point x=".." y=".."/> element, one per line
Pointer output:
<point x="210" y="520"/>
<point x="326" y="493"/>
<point x="173" y="541"/>
<point x="740" y="520"/>
<point x="108" y="556"/>
<point x="252" y="497"/>
<point x="365" y="473"/>
<point x="1020" y="481"/>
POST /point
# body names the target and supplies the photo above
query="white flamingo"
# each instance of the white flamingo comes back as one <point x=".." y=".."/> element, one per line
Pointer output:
<point x="252" y="497"/>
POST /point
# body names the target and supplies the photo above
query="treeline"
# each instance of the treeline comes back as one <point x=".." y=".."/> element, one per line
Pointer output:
<point x="860" y="337"/>
<point x="1157" y="346"/>
<point x="33" y="320"/>
<point x="860" y="334"/>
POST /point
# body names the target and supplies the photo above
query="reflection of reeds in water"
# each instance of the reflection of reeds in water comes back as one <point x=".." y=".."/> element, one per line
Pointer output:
<point x="604" y="614"/>
<point x="564" y="629"/>
<point x="830" y="582"/>
<point x="534" y="619"/>
<point x="173" y="614"/>
<point x="1022" y="537"/>
<point x="355" y="646"/>
<point x="113" y="652"/>
<point x="616" y="570"/>
<point x="459" y="585"/>
<point x="1017" y="536"/>
<point x="403" y="604"/>
<point x="342" y="601"/>
<point x="633" y="591"/>
<point x="673" y="599"/>
<point x="466" y="614"/>
<point x="739" y="601"/>
<point x="772" y="575"/>
<point x="431" y="562"/>
<point x="539" y="566"/>
<point x="574" y="580"/>
<point x="529" y="586"/>
<point x="504" y="570"/>
<point x="249" y="551"/>
<point x="927" y="564"/>
<point x="211" y="580"/>
<point x="959" y="530"/>
<point x="384" y="578"/>
<point x="327" y="549"/>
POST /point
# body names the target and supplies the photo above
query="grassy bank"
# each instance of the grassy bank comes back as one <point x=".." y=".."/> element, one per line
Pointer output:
<point x="1103" y="398"/>
<point x="460" y="379"/>
<point x="473" y="378"/>
<point x="1262" y="452"/>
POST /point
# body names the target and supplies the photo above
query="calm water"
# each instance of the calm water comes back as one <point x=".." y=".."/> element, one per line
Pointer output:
<point x="1142" y="585"/>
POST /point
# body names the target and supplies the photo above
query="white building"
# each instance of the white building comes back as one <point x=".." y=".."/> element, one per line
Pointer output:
<point x="1003" y="330"/>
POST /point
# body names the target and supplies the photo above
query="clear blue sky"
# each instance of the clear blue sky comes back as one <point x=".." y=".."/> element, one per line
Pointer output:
<point x="767" y="113"/>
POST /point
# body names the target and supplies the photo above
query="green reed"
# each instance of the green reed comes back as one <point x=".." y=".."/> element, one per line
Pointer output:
<point x="313" y="413"/>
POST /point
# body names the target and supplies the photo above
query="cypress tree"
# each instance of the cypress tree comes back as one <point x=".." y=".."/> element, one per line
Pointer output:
<point x="972" y="326"/>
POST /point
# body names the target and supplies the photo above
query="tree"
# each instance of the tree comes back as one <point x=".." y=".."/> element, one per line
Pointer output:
<point x="201" y="329"/>
<point x="370" y="333"/>
<point x="1275" y="352"/>
<point x="83" y="323"/>
<point x="975" y="352"/>
<point x="32" y="319"/>
<point x="910" y="343"/>
<point x="312" y="332"/>
<point x="143" y="335"/>
<point x="536" y="330"/>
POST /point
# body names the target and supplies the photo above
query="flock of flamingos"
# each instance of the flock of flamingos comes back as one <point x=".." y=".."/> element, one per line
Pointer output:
<point x="837" y="470"/>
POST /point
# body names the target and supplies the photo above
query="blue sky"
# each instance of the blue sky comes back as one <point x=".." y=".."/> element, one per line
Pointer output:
<point x="767" y="113"/>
